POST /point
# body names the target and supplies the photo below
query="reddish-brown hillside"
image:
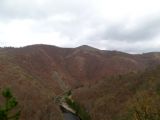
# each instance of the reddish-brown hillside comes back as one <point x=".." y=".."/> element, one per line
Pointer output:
<point x="36" y="73"/>
<point x="78" y="66"/>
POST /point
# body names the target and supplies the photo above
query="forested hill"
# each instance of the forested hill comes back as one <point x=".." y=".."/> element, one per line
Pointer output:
<point x="134" y="96"/>
<point x="104" y="82"/>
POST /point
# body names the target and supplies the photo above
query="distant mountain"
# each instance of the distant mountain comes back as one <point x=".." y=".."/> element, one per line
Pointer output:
<point x="36" y="73"/>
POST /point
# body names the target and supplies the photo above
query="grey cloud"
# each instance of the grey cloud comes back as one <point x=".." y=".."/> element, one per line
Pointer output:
<point x="110" y="37"/>
<point x="134" y="47"/>
<point x="73" y="28"/>
<point x="34" y="9"/>
<point x="104" y="35"/>
<point x="143" y="31"/>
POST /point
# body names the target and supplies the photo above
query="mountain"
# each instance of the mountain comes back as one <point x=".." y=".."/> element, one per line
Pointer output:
<point x="133" y="96"/>
<point x="37" y="73"/>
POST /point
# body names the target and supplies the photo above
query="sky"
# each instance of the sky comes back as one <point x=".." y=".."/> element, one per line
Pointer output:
<point x="131" y="26"/>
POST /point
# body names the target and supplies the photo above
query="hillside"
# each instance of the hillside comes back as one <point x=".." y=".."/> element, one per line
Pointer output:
<point x="120" y="97"/>
<point x="37" y="73"/>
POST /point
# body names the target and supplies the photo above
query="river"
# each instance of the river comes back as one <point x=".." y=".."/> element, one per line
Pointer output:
<point x="68" y="115"/>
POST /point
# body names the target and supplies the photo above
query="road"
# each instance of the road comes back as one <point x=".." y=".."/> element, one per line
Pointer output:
<point x="68" y="115"/>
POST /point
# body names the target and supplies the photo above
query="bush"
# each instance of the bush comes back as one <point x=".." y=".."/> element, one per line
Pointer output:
<point x="6" y="110"/>
<point x="80" y="111"/>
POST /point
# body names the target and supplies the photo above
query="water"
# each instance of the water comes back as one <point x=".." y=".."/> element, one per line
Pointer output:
<point x="69" y="115"/>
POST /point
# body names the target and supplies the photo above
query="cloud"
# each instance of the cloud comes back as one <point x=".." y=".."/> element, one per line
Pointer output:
<point x="143" y="31"/>
<point x="40" y="9"/>
<point x="99" y="23"/>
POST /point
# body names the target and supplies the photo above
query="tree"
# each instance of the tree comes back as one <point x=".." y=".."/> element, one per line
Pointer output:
<point x="8" y="111"/>
<point x="80" y="111"/>
<point x="144" y="106"/>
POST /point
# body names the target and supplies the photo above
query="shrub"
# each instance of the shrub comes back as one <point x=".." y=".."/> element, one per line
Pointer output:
<point x="8" y="110"/>
<point x="80" y="111"/>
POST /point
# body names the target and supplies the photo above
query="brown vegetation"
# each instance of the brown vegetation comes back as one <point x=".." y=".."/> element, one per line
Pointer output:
<point x="103" y="81"/>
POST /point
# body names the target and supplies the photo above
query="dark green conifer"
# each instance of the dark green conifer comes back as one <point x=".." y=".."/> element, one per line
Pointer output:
<point x="8" y="110"/>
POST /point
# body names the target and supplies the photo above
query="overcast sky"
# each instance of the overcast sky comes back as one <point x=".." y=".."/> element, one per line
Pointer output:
<point x="125" y="25"/>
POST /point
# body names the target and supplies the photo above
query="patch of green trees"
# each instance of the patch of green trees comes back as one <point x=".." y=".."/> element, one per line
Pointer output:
<point x="80" y="111"/>
<point x="8" y="110"/>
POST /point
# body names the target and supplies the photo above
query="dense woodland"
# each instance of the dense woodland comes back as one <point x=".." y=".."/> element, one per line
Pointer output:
<point x="134" y="96"/>
<point x="107" y="85"/>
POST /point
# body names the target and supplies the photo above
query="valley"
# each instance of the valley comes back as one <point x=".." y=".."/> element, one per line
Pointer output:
<point x="105" y="83"/>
